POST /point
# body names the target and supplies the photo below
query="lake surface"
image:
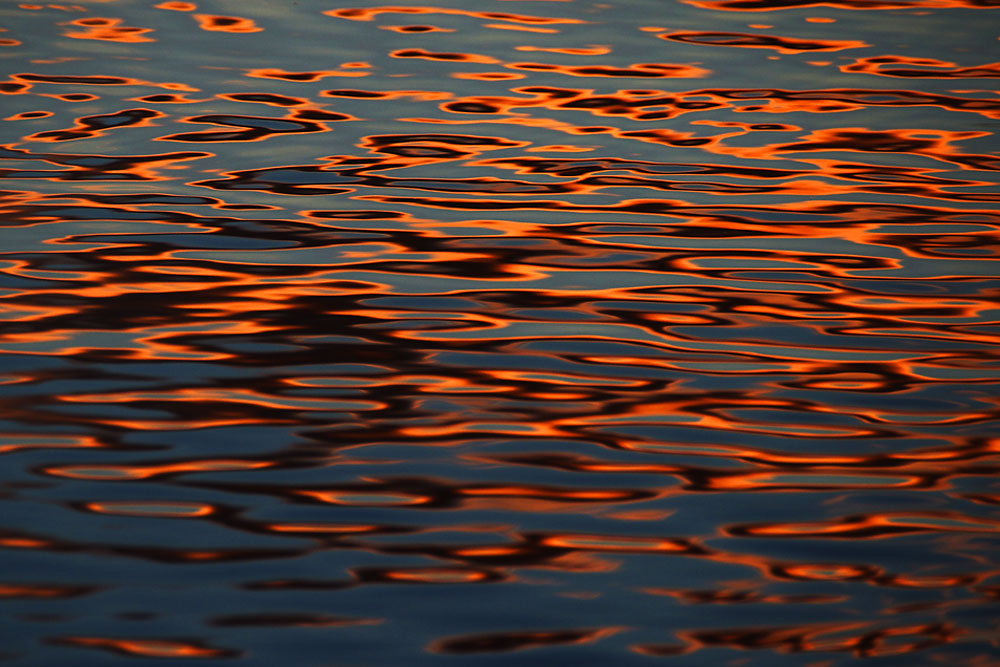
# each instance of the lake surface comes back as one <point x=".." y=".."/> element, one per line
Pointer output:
<point x="500" y="333"/>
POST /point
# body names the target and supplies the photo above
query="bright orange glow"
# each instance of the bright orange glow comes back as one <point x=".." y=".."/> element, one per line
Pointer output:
<point x="234" y="24"/>
<point x="109" y="30"/>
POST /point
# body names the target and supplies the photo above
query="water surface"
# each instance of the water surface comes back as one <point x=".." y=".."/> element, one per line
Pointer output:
<point x="500" y="333"/>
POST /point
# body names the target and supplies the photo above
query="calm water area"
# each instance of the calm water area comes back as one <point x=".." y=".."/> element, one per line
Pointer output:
<point x="500" y="333"/>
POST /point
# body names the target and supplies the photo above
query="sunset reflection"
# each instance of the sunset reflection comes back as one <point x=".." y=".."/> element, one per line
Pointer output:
<point x="515" y="333"/>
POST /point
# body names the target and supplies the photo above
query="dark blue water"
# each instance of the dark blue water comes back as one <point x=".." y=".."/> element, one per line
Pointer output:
<point x="500" y="333"/>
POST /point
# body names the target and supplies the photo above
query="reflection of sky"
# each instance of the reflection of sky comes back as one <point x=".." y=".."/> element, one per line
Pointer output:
<point x="561" y="408"/>
<point x="298" y="37"/>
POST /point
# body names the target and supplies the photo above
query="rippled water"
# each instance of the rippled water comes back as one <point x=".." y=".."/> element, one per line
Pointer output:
<point x="500" y="333"/>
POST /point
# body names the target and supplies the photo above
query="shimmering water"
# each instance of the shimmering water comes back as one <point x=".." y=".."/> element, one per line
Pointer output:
<point x="500" y="333"/>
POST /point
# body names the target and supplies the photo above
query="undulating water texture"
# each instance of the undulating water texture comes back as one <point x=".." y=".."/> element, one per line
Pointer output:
<point x="500" y="332"/>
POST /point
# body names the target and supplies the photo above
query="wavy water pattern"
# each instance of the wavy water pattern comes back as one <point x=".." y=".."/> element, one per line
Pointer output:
<point x="496" y="332"/>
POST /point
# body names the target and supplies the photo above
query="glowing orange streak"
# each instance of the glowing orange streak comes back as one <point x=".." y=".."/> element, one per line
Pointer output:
<point x="52" y="442"/>
<point x="594" y="51"/>
<point x="384" y="252"/>
<point x="124" y="472"/>
<point x="656" y="70"/>
<point x="110" y="30"/>
<point x="448" y="57"/>
<point x="335" y="498"/>
<point x="28" y="115"/>
<point x="749" y="6"/>
<point x="540" y="430"/>
<point x="548" y="494"/>
<point x="150" y="344"/>
<point x="184" y="510"/>
<point x="150" y="648"/>
<point x="411" y="28"/>
<point x="879" y="66"/>
<point x="419" y="95"/>
<point x="280" y="74"/>
<point x="895" y="519"/>
<point x="433" y="575"/>
<point x="369" y="13"/>
<point x="183" y="425"/>
<point x="521" y="28"/>
<point x="24" y="543"/>
<point x="423" y="383"/>
<point x="761" y="481"/>
<point x="119" y="289"/>
<point x="403" y="315"/>
<point x="292" y="292"/>
<point x="31" y="78"/>
<point x="758" y="455"/>
<point x="605" y="543"/>
<point x="232" y="308"/>
<point x="177" y="270"/>
<point x="847" y="139"/>
<point x="227" y="396"/>
<point x="280" y="101"/>
<point x="320" y="528"/>
<point x="33" y="313"/>
<point x="487" y="76"/>
<point x="657" y="339"/>
<point x="779" y="44"/>
<point x="561" y="378"/>
<point x="762" y="458"/>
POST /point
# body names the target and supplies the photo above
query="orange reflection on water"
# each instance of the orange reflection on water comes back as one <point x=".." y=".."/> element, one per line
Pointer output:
<point x="149" y="648"/>
<point x="872" y="526"/>
<point x="374" y="499"/>
<point x="414" y="28"/>
<point x="883" y="66"/>
<point x="322" y="528"/>
<point x="108" y="30"/>
<point x="779" y="44"/>
<point x="815" y="480"/>
<point x="229" y="396"/>
<point x="773" y="5"/>
<point x="533" y="499"/>
<point x="369" y="13"/>
<point x="520" y="28"/>
<point x="448" y="57"/>
<point x="14" y="443"/>
<point x="741" y="596"/>
<point x="98" y="125"/>
<point x="618" y="318"/>
<point x="131" y="167"/>
<point x="864" y="640"/>
<point x="27" y="79"/>
<point x="435" y="575"/>
<point x="25" y="591"/>
<point x="22" y="313"/>
<point x="623" y="544"/>
<point x="516" y="641"/>
<point x="151" y="470"/>
<point x="24" y="543"/>
<point x="29" y="115"/>
<point x="234" y="24"/>
<point x="645" y="70"/>
<point x="150" y="509"/>
<point x="463" y="428"/>
<point x="144" y="343"/>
